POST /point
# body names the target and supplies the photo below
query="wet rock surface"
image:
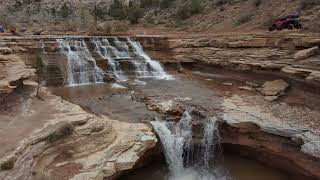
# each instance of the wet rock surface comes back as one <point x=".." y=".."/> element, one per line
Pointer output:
<point x="284" y="133"/>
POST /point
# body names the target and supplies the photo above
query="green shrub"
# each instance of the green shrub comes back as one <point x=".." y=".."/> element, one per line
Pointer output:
<point x="134" y="14"/>
<point x="188" y="9"/>
<point x="221" y="2"/>
<point x="99" y="12"/>
<point x="183" y="12"/>
<point x="117" y="10"/>
<point x="149" y="3"/>
<point x="164" y="4"/>
<point x="195" y="6"/>
<point x="8" y="164"/>
<point x="118" y="13"/>
<point x="65" y="11"/>
<point x="62" y="131"/>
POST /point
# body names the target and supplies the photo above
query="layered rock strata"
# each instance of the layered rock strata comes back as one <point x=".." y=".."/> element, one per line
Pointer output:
<point x="74" y="144"/>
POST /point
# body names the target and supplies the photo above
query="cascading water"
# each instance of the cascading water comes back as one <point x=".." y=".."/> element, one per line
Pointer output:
<point x="122" y="47"/>
<point x="185" y="160"/>
<point x="173" y="148"/>
<point x="210" y="136"/>
<point x="106" y="51"/>
<point x="142" y="68"/>
<point x="82" y="67"/>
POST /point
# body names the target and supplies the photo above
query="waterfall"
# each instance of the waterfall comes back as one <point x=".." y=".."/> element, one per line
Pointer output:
<point x="155" y="67"/>
<point x="173" y="148"/>
<point x="82" y="67"/>
<point x="123" y="48"/>
<point x="209" y="142"/>
<point x="184" y="130"/>
<point x="185" y="160"/>
<point x="106" y="51"/>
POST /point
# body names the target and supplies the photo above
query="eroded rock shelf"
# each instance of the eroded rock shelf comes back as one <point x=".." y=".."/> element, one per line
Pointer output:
<point x="272" y="118"/>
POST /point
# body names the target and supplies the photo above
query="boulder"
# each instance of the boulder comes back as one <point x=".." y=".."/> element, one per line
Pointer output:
<point x="274" y="88"/>
<point x="303" y="54"/>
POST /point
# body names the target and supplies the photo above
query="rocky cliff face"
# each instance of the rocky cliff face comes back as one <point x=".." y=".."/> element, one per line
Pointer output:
<point x="279" y="134"/>
<point x="251" y="52"/>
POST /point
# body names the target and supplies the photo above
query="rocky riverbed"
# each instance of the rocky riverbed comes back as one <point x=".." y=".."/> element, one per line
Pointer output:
<point x="101" y="131"/>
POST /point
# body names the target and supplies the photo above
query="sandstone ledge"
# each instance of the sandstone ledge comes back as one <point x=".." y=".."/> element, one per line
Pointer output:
<point x="77" y="145"/>
<point x="276" y="134"/>
<point x="13" y="72"/>
<point x="296" y="146"/>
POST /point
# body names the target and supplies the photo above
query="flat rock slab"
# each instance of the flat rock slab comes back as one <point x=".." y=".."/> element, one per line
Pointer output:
<point x="303" y="54"/>
<point x="274" y="88"/>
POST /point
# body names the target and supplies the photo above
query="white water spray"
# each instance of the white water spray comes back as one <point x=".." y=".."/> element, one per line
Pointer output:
<point x="82" y="67"/>
<point x="106" y="51"/>
<point x="209" y="141"/>
<point x="155" y="67"/>
<point x="173" y="148"/>
<point x="185" y="161"/>
<point x="122" y="47"/>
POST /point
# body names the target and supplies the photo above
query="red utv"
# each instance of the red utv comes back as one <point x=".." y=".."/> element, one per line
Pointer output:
<point x="289" y="22"/>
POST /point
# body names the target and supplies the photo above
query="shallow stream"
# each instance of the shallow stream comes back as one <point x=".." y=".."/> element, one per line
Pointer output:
<point x="127" y="104"/>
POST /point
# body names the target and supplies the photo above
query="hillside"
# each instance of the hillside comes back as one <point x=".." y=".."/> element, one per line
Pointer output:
<point x="191" y="15"/>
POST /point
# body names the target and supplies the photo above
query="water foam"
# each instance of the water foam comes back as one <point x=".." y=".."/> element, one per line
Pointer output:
<point x="185" y="160"/>
<point x="82" y="67"/>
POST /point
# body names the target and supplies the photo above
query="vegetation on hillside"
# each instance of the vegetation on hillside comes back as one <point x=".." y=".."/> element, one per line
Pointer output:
<point x="88" y="14"/>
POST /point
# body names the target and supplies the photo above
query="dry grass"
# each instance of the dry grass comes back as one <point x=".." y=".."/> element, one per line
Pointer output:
<point x="109" y="28"/>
